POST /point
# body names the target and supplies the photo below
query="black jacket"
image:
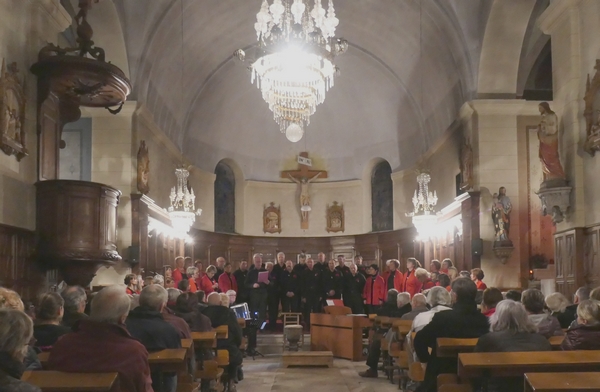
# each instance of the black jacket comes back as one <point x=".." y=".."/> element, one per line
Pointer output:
<point x="354" y="284"/>
<point x="70" y="318"/>
<point x="220" y="315"/>
<point x="567" y="317"/>
<point x="240" y="278"/>
<point x="463" y="321"/>
<point x="289" y="282"/>
<point x="252" y="278"/>
<point x="332" y="280"/>
<point x="10" y="374"/>
<point x="150" y="328"/>
<point x="47" y="334"/>
<point x="392" y="310"/>
<point x="310" y="284"/>
<point x="300" y="268"/>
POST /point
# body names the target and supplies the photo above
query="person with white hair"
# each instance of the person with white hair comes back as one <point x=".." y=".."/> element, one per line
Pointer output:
<point x="439" y="299"/>
<point x="511" y="330"/>
<point x="231" y="296"/>
<point x="75" y="302"/>
<point x="418" y="304"/>
<point x="102" y="344"/>
<point x="257" y="290"/>
<point x="159" y="280"/>
<point x="16" y="330"/>
<point x="147" y="324"/>
<point x="558" y="304"/>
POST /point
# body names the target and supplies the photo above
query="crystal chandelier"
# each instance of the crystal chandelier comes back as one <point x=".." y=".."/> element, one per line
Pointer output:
<point x="294" y="68"/>
<point x="182" y="207"/>
<point x="423" y="216"/>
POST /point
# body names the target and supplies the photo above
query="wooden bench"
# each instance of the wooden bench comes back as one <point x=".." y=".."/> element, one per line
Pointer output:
<point x="307" y="358"/>
<point x="204" y="339"/>
<point x="562" y="382"/>
<point x="516" y="364"/>
<point x="51" y="381"/>
<point x="451" y="347"/>
<point x="171" y="360"/>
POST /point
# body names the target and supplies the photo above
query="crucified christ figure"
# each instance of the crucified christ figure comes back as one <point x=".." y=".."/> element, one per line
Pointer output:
<point x="304" y="193"/>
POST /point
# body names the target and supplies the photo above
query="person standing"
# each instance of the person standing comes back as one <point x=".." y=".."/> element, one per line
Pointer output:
<point x="320" y="264"/>
<point x="331" y="282"/>
<point x="240" y="277"/>
<point x="227" y="280"/>
<point x="208" y="284"/>
<point x="301" y="266"/>
<point x="257" y="290"/>
<point x="220" y="264"/>
<point x="278" y="269"/>
<point x="374" y="291"/>
<point x="272" y="295"/>
<point x="412" y="285"/>
<point x="358" y="260"/>
<point x="179" y="271"/>
<point x="310" y="283"/>
<point x="341" y="260"/>
<point x="354" y="284"/>
<point x="394" y="279"/>
<point x="289" y="286"/>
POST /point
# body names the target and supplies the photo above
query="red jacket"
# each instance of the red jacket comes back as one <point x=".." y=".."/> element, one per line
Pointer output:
<point x="398" y="280"/>
<point x="193" y="287"/>
<point x="96" y="347"/>
<point x="481" y="285"/>
<point x="206" y="285"/>
<point x="428" y="284"/>
<point x="177" y="276"/>
<point x="411" y="283"/>
<point x="227" y="282"/>
<point x="374" y="291"/>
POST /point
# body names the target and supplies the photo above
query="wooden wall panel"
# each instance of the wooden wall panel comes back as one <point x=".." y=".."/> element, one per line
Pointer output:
<point x="591" y="258"/>
<point x="569" y="260"/>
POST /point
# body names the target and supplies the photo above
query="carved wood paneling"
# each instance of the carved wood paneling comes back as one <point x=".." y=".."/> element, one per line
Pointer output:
<point x="18" y="270"/>
<point x="591" y="260"/>
<point x="569" y="259"/>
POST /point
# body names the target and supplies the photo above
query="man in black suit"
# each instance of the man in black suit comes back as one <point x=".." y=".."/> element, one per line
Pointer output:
<point x="257" y="290"/>
<point x="240" y="278"/>
<point x="289" y="285"/>
<point x="463" y="321"/>
<point x="310" y="291"/>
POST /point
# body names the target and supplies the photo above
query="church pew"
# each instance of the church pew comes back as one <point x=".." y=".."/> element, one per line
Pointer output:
<point x="562" y="382"/>
<point x="204" y="339"/>
<point x="169" y="360"/>
<point x="516" y="364"/>
<point x="451" y="347"/>
<point x="51" y="381"/>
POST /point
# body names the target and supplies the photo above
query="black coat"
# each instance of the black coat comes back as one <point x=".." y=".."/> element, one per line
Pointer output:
<point x="354" y="284"/>
<point x="567" y="317"/>
<point x="310" y="284"/>
<point x="300" y="268"/>
<point x="463" y="321"/>
<point x="252" y="278"/>
<point x="289" y="282"/>
<point x="332" y="280"/>
<point x="220" y="315"/>
<point x="392" y="310"/>
<point x="240" y="278"/>
<point x="47" y="334"/>
<point x="150" y="328"/>
<point x="10" y="374"/>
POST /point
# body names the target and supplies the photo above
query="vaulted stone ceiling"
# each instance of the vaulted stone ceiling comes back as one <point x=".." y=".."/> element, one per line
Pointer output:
<point x="375" y="110"/>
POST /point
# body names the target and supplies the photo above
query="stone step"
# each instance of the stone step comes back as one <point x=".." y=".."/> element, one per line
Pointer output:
<point x="269" y="344"/>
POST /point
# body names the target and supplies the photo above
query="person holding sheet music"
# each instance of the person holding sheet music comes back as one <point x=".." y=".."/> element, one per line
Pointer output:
<point x="257" y="289"/>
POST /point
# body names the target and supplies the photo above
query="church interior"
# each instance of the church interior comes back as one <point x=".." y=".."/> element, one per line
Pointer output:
<point x="144" y="139"/>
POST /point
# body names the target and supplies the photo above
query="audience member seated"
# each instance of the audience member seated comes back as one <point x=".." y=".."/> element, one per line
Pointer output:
<point x="16" y="330"/>
<point x="510" y="330"/>
<point x="201" y="299"/>
<point x="169" y="283"/>
<point x="9" y="299"/>
<point x="146" y="324"/>
<point x="586" y="334"/>
<point x="423" y="277"/>
<point x="444" y="281"/>
<point x="595" y="294"/>
<point x="396" y="305"/>
<point x="232" y="295"/>
<point x="514" y="295"/>
<point x="477" y="277"/>
<point x="438" y="299"/>
<point x="182" y="327"/>
<point x="75" y="301"/>
<point x="186" y="307"/>
<point x="159" y="280"/>
<point x="558" y="304"/>
<point x="184" y="286"/>
<point x="463" y="321"/>
<point x="491" y="297"/>
<point x="222" y="315"/>
<point x="418" y="306"/>
<point x="581" y="294"/>
<point x="103" y="344"/>
<point x="534" y="302"/>
<point x="464" y="274"/>
<point x="49" y="313"/>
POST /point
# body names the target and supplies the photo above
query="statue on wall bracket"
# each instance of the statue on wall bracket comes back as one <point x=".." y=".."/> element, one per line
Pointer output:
<point x="143" y="169"/>
<point x="272" y="219"/>
<point x="554" y="191"/>
<point x="12" y="112"/>
<point x="501" y="209"/>
<point x="335" y="218"/>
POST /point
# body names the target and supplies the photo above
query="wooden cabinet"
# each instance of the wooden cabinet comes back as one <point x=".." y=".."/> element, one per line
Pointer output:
<point x="568" y="258"/>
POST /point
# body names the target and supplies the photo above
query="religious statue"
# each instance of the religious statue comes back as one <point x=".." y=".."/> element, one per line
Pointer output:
<point x="548" y="136"/>
<point x="304" y="193"/>
<point x="143" y="169"/>
<point x="335" y="218"/>
<point x="272" y="219"/>
<point x="501" y="209"/>
<point x="12" y="112"/>
<point x="466" y="166"/>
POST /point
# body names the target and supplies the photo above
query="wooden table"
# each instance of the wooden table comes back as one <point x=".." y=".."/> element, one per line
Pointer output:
<point x="169" y="360"/>
<point x="51" y="381"/>
<point x="204" y="339"/>
<point x="515" y="364"/>
<point x="451" y="347"/>
<point x="342" y="335"/>
<point x="562" y="382"/>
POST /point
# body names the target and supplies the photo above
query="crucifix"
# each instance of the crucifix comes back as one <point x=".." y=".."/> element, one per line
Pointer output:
<point x="303" y="176"/>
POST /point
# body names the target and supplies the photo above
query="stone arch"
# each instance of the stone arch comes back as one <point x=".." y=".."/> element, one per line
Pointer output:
<point x="382" y="197"/>
<point x="501" y="50"/>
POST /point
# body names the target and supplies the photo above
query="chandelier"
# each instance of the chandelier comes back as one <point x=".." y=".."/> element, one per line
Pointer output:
<point x="182" y="207"/>
<point x="294" y="68"/>
<point x="423" y="216"/>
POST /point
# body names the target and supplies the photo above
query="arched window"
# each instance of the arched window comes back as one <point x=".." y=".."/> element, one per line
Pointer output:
<point x="224" y="199"/>
<point x="382" y="197"/>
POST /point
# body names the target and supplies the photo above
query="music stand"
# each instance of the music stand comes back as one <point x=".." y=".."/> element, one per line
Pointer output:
<point x="252" y="327"/>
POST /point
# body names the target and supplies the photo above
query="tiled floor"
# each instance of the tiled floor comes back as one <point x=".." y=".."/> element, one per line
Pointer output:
<point x="266" y="374"/>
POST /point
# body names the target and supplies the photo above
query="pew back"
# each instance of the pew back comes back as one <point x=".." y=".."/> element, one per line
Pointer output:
<point x="52" y="381"/>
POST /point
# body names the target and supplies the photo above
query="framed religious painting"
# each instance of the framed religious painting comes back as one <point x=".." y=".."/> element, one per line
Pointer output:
<point x="335" y="218"/>
<point x="272" y="219"/>
<point x="12" y="112"/>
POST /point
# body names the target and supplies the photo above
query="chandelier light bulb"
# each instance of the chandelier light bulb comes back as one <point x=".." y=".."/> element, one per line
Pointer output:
<point x="294" y="133"/>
